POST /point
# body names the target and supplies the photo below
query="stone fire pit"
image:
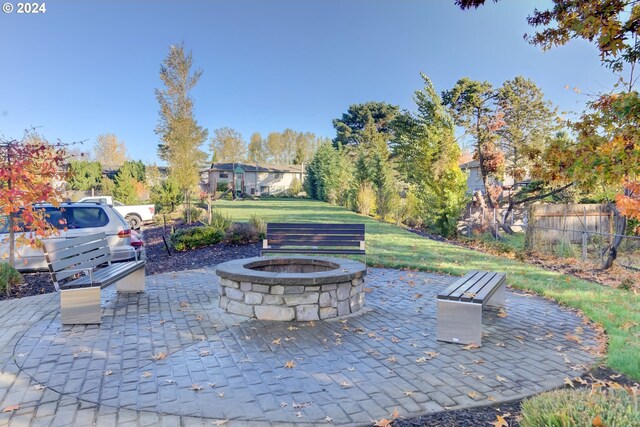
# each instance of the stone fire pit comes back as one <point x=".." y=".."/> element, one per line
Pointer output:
<point x="293" y="288"/>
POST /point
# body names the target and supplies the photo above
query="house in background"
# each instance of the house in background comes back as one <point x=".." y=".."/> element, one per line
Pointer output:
<point x="253" y="179"/>
<point x="474" y="177"/>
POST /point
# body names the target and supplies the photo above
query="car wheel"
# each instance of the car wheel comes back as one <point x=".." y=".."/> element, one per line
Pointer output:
<point x="134" y="221"/>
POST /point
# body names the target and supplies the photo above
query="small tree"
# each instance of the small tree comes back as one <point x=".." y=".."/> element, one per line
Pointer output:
<point x="28" y="175"/>
<point x="84" y="175"/>
<point x="110" y="151"/>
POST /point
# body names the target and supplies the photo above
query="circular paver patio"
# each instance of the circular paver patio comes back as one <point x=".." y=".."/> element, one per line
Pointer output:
<point x="172" y="351"/>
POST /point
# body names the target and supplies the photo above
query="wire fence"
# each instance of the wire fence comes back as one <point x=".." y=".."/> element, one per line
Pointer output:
<point x="582" y="232"/>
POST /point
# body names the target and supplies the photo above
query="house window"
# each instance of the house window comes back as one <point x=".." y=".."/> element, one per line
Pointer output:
<point x="264" y="189"/>
<point x="253" y="191"/>
<point x="224" y="175"/>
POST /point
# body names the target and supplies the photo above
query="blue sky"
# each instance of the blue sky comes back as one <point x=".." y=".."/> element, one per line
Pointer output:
<point x="89" y="67"/>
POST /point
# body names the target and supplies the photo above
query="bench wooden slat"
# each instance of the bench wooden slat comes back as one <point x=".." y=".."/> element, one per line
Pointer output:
<point x="315" y="237"/>
<point x="315" y="251"/>
<point x="107" y="275"/>
<point x="71" y="249"/>
<point x="473" y="290"/>
<point x="92" y="258"/>
<point x="57" y="245"/>
<point x="460" y="283"/>
<point x="354" y="243"/>
<point x="490" y="288"/>
<point x="316" y="226"/>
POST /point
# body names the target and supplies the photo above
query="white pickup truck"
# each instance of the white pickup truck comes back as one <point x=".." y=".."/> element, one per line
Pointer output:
<point x="135" y="215"/>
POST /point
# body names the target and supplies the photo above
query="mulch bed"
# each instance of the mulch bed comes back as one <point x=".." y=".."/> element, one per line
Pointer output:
<point x="159" y="261"/>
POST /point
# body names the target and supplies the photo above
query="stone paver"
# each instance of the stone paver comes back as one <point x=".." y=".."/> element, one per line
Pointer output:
<point x="171" y="356"/>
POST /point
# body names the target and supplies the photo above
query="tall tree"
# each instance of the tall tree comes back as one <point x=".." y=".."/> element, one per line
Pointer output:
<point x="227" y="145"/>
<point x="472" y="105"/>
<point x="256" y="153"/>
<point x="110" y="151"/>
<point x="180" y="135"/>
<point x="428" y="158"/>
<point x="84" y="175"/>
<point x="350" y="128"/>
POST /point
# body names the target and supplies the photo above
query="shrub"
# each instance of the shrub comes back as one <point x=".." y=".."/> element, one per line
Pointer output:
<point x="242" y="233"/>
<point x="196" y="237"/>
<point x="220" y="220"/>
<point x="569" y="408"/>
<point x="9" y="277"/>
<point x="259" y="224"/>
<point x="366" y="199"/>
<point x="295" y="187"/>
<point x="196" y="214"/>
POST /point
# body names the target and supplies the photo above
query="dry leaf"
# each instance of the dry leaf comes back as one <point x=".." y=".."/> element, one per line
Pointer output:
<point x="196" y="387"/>
<point x="471" y="346"/>
<point x="501" y="344"/>
<point x="107" y="373"/>
<point x="159" y="356"/>
<point x="395" y="340"/>
<point x="184" y="304"/>
<point x="199" y="317"/>
<point x="501" y="379"/>
<point x="290" y="364"/>
<point x="573" y="338"/>
<point x="328" y="419"/>
<point x="408" y="393"/>
<point x="283" y="404"/>
<point x="11" y="408"/>
<point x="581" y="381"/>
<point x="395" y="415"/>
<point x="300" y="405"/>
<point x="568" y="382"/>
<point x="299" y="414"/>
<point x="220" y="422"/>
<point x="391" y="359"/>
<point x="421" y="359"/>
<point x="276" y="341"/>
<point x="597" y="422"/>
<point x="472" y="395"/>
<point x="431" y="354"/>
<point x="204" y="353"/>
<point x="383" y="423"/>
<point x="345" y="384"/>
<point x="502" y="313"/>
<point x="491" y="398"/>
<point x="220" y="394"/>
<point x="351" y="368"/>
<point x="500" y="422"/>
<point x="146" y="374"/>
<point x="417" y="296"/>
<point x="39" y="387"/>
<point x="292" y="328"/>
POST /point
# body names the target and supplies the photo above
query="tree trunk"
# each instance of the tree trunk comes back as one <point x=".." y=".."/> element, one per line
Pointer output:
<point x="611" y="251"/>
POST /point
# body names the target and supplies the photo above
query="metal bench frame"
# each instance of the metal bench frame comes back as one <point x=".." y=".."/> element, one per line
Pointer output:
<point x="460" y="306"/>
<point x="73" y="265"/>
<point x="305" y="238"/>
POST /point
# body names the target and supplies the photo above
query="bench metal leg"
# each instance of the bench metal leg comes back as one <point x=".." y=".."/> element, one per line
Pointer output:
<point x="134" y="282"/>
<point x="497" y="300"/>
<point x="459" y="322"/>
<point x="80" y="306"/>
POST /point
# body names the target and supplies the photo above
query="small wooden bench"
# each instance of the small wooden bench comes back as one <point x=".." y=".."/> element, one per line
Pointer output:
<point x="73" y="264"/>
<point x="460" y="306"/>
<point x="345" y="239"/>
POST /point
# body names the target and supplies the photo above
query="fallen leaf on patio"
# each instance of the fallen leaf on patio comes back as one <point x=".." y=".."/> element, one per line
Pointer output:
<point x="382" y="423"/>
<point x="391" y="359"/>
<point x="579" y="330"/>
<point x="107" y="373"/>
<point x="501" y="379"/>
<point x="146" y="374"/>
<point x="287" y="339"/>
<point x="300" y="405"/>
<point x="184" y="304"/>
<point x="276" y="341"/>
<point x="292" y="328"/>
<point x="417" y="296"/>
<point x="220" y="422"/>
<point x="39" y="387"/>
<point x="328" y="419"/>
<point x="421" y="359"/>
<point x="431" y="354"/>
<point x="199" y="317"/>
<point x="204" y="353"/>
<point x="212" y="385"/>
<point x="502" y="313"/>
<point x="196" y="387"/>
<point x="351" y="369"/>
<point x="472" y="394"/>
<point x="247" y="337"/>
<point x="345" y="384"/>
<point x="75" y="355"/>
<point x="11" y="408"/>
<point x="568" y="382"/>
<point x="299" y="414"/>
<point x="395" y="340"/>
<point x="491" y="398"/>
<point x="290" y="364"/>
<point x="408" y="393"/>
<point x="520" y="338"/>
<point x="573" y="338"/>
<point x="283" y="404"/>
<point x="220" y="394"/>
<point x="478" y="361"/>
<point x="500" y="422"/>
<point x="159" y="356"/>
<point x="480" y="377"/>
<point x="371" y="334"/>
<point x="615" y="376"/>
<point x="395" y="414"/>
<point x="501" y="344"/>
<point x="172" y="381"/>
<point x="368" y="290"/>
<point x="581" y="381"/>
<point x="471" y="346"/>
<point x="464" y="368"/>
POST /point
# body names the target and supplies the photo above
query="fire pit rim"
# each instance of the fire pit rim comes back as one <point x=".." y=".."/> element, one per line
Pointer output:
<point x="237" y="270"/>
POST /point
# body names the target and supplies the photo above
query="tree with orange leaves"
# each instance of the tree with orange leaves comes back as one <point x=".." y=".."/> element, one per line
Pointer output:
<point x="28" y="171"/>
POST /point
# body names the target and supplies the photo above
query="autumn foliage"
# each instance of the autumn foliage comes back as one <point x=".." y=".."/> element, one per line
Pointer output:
<point x="28" y="173"/>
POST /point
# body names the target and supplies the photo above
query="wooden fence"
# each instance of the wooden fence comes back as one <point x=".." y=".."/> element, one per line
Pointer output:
<point x="569" y="221"/>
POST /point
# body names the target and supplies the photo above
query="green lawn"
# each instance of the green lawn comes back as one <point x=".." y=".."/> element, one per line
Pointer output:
<point x="616" y="310"/>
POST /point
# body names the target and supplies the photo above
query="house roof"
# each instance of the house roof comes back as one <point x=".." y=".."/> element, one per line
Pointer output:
<point x="471" y="164"/>
<point x="260" y="167"/>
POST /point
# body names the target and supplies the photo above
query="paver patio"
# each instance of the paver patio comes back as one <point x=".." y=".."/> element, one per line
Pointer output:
<point x="352" y="370"/>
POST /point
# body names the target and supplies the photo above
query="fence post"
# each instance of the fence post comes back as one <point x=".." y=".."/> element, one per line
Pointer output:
<point x="469" y="222"/>
<point x="584" y="236"/>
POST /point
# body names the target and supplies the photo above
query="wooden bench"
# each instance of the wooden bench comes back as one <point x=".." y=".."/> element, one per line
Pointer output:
<point x="73" y="264"/>
<point x="345" y="239"/>
<point x="460" y="306"/>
